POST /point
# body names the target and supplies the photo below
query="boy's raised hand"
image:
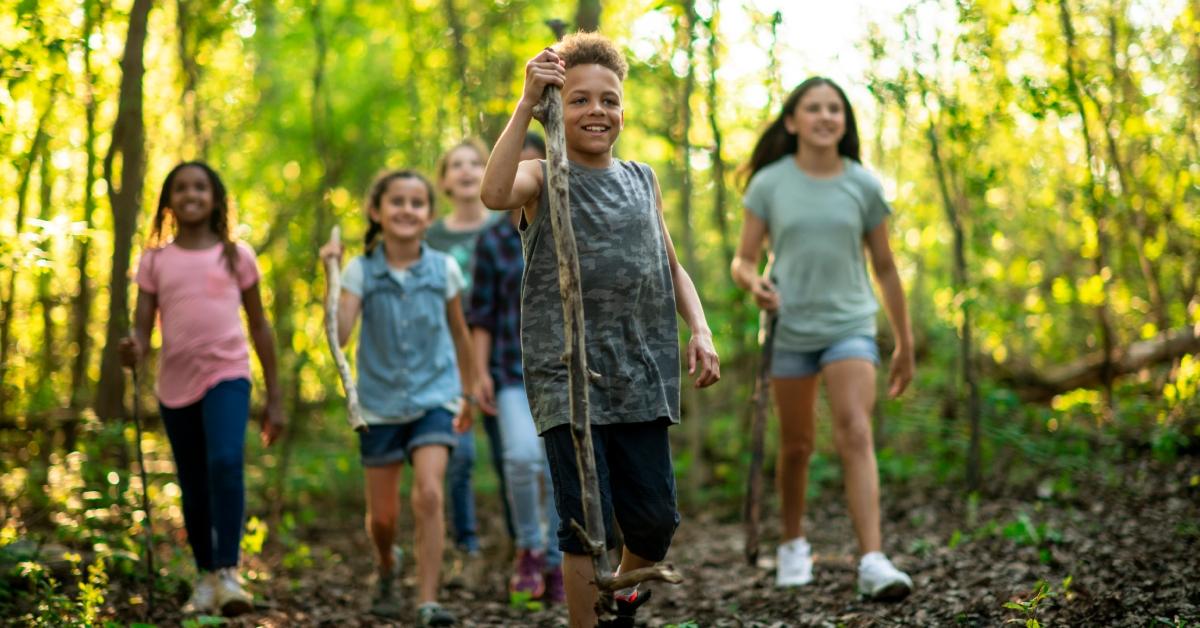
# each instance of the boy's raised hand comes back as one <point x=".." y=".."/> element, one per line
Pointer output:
<point x="701" y="353"/>
<point x="547" y="68"/>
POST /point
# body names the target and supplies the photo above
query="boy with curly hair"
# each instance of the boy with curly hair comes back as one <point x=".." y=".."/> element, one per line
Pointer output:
<point x="632" y="285"/>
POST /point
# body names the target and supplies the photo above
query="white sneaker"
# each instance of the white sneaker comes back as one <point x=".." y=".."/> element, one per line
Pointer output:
<point x="203" y="596"/>
<point x="793" y="564"/>
<point x="231" y="598"/>
<point x="879" y="579"/>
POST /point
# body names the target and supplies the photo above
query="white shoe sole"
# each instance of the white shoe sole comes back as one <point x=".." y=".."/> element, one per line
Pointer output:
<point x="792" y="584"/>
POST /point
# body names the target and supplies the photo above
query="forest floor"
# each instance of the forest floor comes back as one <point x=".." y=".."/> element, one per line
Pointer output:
<point x="1130" y="546"/>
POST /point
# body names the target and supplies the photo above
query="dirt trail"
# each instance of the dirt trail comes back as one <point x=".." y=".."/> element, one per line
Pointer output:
<point x="1132" y="552"/>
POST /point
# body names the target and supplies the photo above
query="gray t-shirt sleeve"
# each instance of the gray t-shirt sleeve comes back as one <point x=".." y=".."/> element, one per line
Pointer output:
<point x="352" y="277"/>
<point x="877" y="207"/>
<point x="455" y="282"/>
<point x="755" y="198"/>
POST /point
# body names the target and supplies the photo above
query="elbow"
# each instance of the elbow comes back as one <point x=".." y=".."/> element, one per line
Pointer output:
<point x="492" y="198"/>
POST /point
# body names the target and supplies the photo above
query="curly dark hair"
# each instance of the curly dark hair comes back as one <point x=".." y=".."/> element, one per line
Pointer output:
<point x="584" y="48"/>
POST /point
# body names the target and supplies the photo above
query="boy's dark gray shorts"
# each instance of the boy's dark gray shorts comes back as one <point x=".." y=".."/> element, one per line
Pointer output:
<point x="637" y="485"/>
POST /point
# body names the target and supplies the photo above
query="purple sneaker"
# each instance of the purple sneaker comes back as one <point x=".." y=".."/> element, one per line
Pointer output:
<point x="528" y="575"/>
<point x="555" y="593"/>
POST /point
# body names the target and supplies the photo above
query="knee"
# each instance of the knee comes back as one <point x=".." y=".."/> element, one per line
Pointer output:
<point x="225" y="466"/>
<point x="853" y="435"/>
<point x="523" y="461"/>
<point x="426" y="498"/>
<point x="381" y="520"/>
<point x="797" y="449"/>
<point x="650" y="537"/>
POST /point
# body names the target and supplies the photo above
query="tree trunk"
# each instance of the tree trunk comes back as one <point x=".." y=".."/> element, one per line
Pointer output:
<point x="49" y="361"/>
<point x="322" y="114"/>
<point x="25" y="174"/>
<point x="1041" y="385"/>
<point x="461" y="66"/>
<point x="587" y="15"/>
<point x="185" y="11"/>
<point x="695" y="427"/>
<point x="1096" y="205"/>
<point x="81" y="306"/>
<point x="1141" y="222"/>
<point x="713" y="105"/>
<point x="128" y="141"/>
<point x="966" y="358"/>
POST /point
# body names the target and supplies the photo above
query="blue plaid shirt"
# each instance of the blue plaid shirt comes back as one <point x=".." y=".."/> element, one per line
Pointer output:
<point x="495" y="302"/>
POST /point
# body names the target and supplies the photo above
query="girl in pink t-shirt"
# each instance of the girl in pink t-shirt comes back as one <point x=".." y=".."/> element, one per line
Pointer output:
<point x="198" y="282"/>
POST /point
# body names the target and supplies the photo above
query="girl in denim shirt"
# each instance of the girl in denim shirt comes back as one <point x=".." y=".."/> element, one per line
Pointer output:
<point x="413" y="358"/>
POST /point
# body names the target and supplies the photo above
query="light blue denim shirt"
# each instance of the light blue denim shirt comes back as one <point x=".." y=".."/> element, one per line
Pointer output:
<point x="406" y="359"/>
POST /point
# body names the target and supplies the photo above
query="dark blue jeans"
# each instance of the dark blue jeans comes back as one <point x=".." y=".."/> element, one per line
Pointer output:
<point x="207" y="439"/>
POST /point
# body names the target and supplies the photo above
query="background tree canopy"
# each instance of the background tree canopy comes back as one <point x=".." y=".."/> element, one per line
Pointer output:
<point x="1043" y="158"/>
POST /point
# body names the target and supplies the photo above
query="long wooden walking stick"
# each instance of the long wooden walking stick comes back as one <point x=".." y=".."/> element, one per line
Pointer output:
<point x="549" y="112"/>
<point x="752" y="509"/>
<point x="333" y="281"/>
<point x="147" y="525"/>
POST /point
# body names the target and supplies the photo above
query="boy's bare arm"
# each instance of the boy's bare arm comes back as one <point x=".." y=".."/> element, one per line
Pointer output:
<point x="700" y="350"/>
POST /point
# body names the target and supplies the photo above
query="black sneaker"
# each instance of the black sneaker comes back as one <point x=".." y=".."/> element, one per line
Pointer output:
<point x="626" y="608"/>
<point x="386" y="602"/>
<point x="432" y="614"/>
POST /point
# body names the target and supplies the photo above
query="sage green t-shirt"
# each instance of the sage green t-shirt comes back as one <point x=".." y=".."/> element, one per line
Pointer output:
<point x="816" y="227"/>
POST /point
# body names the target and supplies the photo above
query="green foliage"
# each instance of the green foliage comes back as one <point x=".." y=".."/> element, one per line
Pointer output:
<point x="299" y="104"/>
<point x="52" y="603"/>
<point x="1041" y="593"/>
<point x="254" y="536"/>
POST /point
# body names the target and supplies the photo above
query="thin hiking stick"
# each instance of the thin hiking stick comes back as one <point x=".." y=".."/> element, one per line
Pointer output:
<point x="549" y="111"/>
<point x="148" y="524"/>
<point x="333" y="281"/>
<point x="752" y="509"/>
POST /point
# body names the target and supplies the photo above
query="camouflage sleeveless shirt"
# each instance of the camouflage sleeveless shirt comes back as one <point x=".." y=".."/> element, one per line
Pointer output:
<point x="632" y="335"/>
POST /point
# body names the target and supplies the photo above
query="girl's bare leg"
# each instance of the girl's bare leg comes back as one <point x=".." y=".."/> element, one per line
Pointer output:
<point x="851" y="388"/>
<point x="795" y="399"/>
<point x="429" y="472"/>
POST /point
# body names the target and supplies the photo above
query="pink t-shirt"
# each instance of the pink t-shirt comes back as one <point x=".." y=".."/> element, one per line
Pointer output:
<point x="199" y="303"/>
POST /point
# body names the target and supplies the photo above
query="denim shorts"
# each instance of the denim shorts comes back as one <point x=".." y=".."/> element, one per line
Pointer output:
<point x="389" y="443"/>
<point x="805" y="363"/>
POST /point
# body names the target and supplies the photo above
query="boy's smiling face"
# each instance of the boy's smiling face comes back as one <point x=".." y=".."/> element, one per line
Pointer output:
<point x="592" y="113"/>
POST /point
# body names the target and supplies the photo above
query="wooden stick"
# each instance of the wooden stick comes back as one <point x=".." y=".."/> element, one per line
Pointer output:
<point x="549" y="112"/>
<point x="333" y="280"/>
<point x="592" y="534"/>
<point x="752" y="509"/>
<point x="148" y="524"/>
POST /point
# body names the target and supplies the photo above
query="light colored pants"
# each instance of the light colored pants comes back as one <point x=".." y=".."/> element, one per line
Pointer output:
<point x="524" y="467"/>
